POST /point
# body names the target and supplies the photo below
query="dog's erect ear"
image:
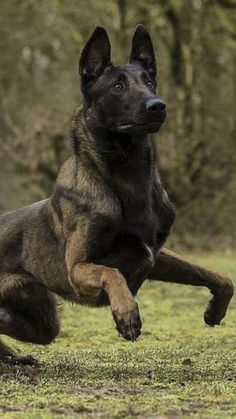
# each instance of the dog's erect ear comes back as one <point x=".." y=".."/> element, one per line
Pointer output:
<point x="142" y="50"/>
<point x="95" y="56"/>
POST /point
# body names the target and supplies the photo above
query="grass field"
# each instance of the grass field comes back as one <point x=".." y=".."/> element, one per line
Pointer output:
<point x="178" y="368"/>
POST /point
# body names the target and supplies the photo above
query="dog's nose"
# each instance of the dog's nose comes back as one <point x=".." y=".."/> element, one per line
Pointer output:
<point x="155" y="105"/>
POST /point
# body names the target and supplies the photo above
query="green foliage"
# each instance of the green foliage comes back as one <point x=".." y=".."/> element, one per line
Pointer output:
<point x="177" y="368"/>
<point x="40" y="42"/>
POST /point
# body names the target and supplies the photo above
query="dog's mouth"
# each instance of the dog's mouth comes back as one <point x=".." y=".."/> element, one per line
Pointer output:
<point x="152" y="126"/>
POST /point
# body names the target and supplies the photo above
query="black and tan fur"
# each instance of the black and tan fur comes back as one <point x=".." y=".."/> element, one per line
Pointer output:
<point x="100" y="234"/>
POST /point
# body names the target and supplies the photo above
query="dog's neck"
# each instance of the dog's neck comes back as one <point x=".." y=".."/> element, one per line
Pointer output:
<point x="110" y="151"/>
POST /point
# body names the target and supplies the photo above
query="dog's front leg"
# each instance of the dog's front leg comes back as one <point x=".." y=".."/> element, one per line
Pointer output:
<point x="171" y="267"/>
<point x="90" y="280"/>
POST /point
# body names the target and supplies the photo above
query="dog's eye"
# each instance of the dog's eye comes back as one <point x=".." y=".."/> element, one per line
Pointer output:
<point x="150" y="84"/>
<point x="118" y="87"/>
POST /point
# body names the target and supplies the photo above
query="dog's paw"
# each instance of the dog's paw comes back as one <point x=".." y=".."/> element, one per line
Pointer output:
<point x="218" y="305"/>
<point x="128" y="323"/>
<point x="21" y="360"/>
<point x="212" y="317"/>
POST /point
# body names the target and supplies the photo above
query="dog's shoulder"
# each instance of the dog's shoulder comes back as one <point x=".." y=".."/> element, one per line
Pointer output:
<point x="67" y="174"/>
<point x="78" y="192"/>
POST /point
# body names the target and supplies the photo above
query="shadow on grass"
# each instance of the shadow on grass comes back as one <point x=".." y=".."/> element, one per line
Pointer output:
<point x="87" y="368"/>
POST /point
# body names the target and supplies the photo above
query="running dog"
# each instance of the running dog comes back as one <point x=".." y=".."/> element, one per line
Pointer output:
<point x="100" y="235"/>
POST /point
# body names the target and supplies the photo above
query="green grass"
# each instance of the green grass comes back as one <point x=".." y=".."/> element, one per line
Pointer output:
<point x="178" y="368"/>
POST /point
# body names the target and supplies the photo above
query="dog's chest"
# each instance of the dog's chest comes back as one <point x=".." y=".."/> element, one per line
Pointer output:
<point x="146" y="213"/>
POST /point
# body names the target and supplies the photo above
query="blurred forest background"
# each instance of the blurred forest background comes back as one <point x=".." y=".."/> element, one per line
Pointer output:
<point x="195" y="42"/>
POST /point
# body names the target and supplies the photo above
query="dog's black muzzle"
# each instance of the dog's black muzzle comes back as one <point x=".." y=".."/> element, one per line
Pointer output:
<point x="155" y="110"/>
<point x="156" y="106"/>
<point x="149" y="119"/>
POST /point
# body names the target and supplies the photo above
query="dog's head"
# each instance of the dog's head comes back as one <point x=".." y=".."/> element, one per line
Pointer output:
<point x="121" y="98"/>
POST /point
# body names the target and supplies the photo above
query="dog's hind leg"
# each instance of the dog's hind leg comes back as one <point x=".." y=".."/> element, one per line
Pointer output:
<point x="172" y="268"/>
<point x="27" y="313"/>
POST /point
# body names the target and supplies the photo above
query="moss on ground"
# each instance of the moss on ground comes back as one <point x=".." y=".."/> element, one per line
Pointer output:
<point x="178" y="368"/>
